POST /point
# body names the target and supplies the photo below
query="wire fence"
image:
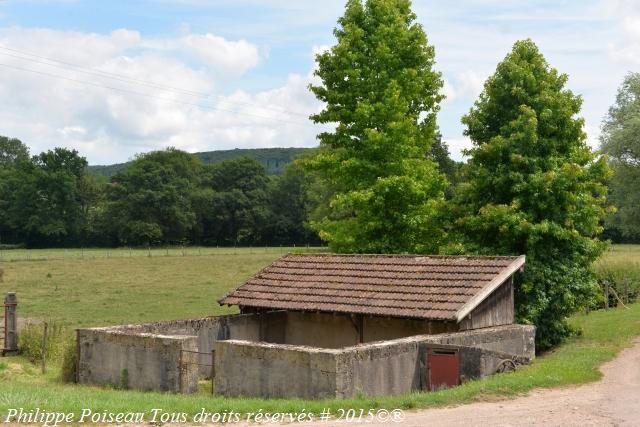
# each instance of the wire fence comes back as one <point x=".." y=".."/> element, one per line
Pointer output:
<point x="206" y="360"/>
<point x="7" y="255"/>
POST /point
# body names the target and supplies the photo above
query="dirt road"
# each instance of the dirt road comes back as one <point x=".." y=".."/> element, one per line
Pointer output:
<point x="613" y="401"/>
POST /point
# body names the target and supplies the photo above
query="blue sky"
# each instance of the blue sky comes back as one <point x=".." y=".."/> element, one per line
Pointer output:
<point x="204" y="75"/>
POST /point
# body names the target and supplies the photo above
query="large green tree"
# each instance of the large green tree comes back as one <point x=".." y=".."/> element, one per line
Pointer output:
<point x="12" y="151"/>
<point x="291" y="200"/>
<point x="239" y="208"/>
<point x="152" y="200"/>
<point x="46" y="198"/>
<point x="620" y="140"/>
<point x="382" y="93"/>
<point x="535" y="187"/>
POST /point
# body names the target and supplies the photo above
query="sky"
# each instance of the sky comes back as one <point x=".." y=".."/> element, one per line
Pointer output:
<point x="115" y="78"/>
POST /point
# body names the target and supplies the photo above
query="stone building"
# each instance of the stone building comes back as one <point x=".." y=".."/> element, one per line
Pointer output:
<point x="326" y="325"/>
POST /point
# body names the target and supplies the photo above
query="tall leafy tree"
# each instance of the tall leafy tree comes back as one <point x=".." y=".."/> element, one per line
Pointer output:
<point x="620" y="140"/>
<point x="12" y="151"/>
<point x="47" y="198"/>
<point x="290" y="202"/>
<point x="439" y="152"/>
<point x="534" y="187"/>
<point x="239" y="209"/>
<point x="380" y="89"/>
<point x="151" y="201"/>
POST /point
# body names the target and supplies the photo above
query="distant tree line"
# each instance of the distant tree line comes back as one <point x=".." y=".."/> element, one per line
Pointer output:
<point x="166" y="197"/>
<point x="161" y="198"/>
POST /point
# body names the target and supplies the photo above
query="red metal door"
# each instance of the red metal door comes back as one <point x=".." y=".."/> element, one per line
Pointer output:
<point x="443" y="368"/>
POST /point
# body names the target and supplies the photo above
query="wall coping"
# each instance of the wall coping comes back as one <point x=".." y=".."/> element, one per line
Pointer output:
<point x="418" y="339"/>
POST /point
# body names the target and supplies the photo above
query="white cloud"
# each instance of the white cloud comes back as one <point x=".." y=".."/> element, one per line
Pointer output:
<point x="626" y="48"/>
<point x="235" y="57"/>
<point x="470" y="83"/>
<point x="457" y="145"/>
<point x="158" y="98"/>
<point x="466" y="85"/>
<point x="448" y="91"/>
<point x="593" y="136"/>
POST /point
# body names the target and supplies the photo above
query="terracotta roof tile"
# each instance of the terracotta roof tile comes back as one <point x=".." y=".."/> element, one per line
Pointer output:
<point x="429" y="287"/>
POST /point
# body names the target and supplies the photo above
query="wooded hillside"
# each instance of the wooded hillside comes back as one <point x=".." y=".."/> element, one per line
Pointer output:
<point x="274" y="160"/>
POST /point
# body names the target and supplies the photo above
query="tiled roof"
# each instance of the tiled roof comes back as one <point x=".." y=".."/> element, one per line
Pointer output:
<point x="426" y="287"/>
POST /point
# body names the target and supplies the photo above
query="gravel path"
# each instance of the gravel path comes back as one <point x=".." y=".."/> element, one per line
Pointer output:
<point x="613" y="401"/>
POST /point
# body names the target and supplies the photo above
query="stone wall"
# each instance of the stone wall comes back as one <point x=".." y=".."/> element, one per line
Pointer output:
<point x="141" y="361"/>
<point x="328" y="330"/>
<point x="152" y="353"/>
<point x="376" y="369"/>
<point x="246" y="368"/>
<point x="518" y="340"/>
<point x="265" y="354"/>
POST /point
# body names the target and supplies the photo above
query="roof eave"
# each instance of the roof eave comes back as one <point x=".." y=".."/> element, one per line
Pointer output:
<point x="494" y="284"/>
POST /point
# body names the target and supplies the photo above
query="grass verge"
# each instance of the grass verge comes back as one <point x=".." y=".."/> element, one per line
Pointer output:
<point x="575" y="362"/>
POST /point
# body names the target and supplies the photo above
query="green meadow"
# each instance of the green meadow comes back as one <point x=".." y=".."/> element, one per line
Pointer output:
<point x="104" y="290"/>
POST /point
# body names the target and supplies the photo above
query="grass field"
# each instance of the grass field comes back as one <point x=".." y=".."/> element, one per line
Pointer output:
<point x="108" y="287"/>
<point x="576" y="362"/>
<point x="105" y="289"/>
<point x="620" y="255"/>
<point x="620" y="267"/>
<point x="8" y="255"/>
<point x="113" y="290"/>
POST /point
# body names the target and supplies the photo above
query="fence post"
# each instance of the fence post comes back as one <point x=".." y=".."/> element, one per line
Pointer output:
<point x="626" y="290"/>
<point x="606" y="295"/>
<point x="10" y="324"/>
<point x="45" y="333"/>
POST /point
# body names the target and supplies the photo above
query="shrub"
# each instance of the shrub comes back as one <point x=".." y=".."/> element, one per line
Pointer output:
<point x="69" y="360"/>
<point x="30" y="341"/>
<point x="623" y="277"/>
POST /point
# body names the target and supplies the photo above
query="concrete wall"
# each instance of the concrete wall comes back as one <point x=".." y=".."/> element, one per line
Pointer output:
<point x="142" y="361"/>
<point x="208" y="330"/>
<point x="399" y="366"/>
<point x="265" y="354"/>
<point x="152" y="353"/>
<point x="319" y="330"/>
<point x="246" y="368"/>
<point x="375" y="369"/>
<point x="328" y="330"/>
<point x="518" y="340"/>
<point x="389" y="328"/>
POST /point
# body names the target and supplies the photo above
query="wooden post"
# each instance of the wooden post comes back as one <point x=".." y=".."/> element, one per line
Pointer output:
<point x="626" y="290"/>
<point x="11" y="324"/>
<point x="45" y="334"/>
<point x="606" y="295"/>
